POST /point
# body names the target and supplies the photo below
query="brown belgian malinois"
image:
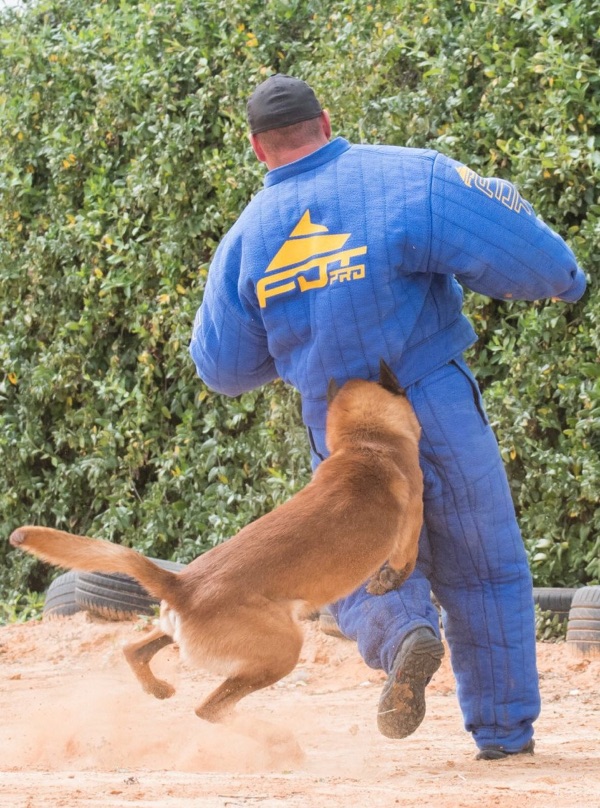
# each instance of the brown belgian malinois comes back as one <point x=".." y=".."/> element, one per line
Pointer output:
<point x="235" y="610"/>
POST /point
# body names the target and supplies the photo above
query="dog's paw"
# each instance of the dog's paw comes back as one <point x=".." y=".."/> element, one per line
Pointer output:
<point x="214" y="715"/>
<point x="376" y="587"/>
<point x="161" y="689"/>
<point x="387" y="579"/>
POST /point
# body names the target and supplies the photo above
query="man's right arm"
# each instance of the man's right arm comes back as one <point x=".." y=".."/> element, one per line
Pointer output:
<point x="229" y="344"/>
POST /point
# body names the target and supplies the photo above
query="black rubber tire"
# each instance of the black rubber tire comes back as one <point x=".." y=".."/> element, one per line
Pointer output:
<point x="114" y="596"/>
<point x="583" y="628"/>
<point x="554" y="600"/>
<point x="60" y="597"/>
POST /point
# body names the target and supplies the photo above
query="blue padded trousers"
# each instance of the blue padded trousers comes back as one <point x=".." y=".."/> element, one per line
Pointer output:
<point x="472" y="557"/>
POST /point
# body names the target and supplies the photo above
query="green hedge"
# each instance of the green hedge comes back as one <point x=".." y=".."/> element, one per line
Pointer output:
<point x="123" y="161"/>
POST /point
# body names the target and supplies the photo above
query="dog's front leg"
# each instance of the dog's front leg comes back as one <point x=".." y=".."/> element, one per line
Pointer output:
<point x="387" y="578"/>
<point x="139" y="654"/>
<point x="403" y="556"/>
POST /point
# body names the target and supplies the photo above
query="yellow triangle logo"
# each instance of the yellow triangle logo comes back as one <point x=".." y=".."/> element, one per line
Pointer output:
<point x="307" y="240"/>
<point x="306" y="228"/>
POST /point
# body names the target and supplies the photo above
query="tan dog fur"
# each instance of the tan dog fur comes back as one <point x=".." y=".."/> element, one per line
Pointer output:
<point x="234" y="610"/>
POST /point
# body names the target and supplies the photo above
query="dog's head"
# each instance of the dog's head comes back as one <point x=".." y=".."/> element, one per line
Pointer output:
<point x="362" y="410"/>
<point x="387" y="379"/>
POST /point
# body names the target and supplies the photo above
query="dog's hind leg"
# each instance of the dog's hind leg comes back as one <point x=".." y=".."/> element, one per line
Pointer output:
<point x="268" y="658"/>
<point x="139" y="654"/>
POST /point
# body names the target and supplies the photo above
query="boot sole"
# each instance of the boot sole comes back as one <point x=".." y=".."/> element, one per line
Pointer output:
<point x="402" y="702"/>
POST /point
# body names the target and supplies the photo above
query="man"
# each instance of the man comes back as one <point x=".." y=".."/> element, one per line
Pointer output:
<point x="352" y="253"/>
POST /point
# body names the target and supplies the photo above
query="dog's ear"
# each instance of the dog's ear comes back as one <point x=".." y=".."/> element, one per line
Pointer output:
<point x="388" y="380"/>
<point x="332" y="390"/>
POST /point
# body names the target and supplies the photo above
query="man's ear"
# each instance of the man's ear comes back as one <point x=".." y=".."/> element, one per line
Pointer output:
<point x="388" y="380"/>
<point x="257" y="148"/>
<point x="332" y="390"/>
<point x="326" y="123"/>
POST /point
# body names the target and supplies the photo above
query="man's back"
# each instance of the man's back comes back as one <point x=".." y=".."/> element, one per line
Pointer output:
<point x="331" y="260"/>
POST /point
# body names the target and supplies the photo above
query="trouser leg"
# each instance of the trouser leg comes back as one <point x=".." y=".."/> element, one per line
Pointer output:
<point x="489" y="626"/>
<point x="479" y="568"/>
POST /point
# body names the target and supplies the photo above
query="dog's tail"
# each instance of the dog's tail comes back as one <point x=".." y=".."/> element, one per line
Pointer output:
<point x="94" y="555"/>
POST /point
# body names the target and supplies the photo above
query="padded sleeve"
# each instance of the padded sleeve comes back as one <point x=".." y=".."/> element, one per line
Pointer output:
<point x="229" y="343"/>
<point x="490" y="238"/>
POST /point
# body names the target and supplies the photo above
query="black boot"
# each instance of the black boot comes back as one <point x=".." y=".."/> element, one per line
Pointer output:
<point x="402" y="702"/>
<point x="498" y="753"/>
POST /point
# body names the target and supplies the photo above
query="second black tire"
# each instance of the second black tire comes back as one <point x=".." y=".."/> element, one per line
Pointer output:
<point x="555" y="600"/>
<point x="583" y="628"/>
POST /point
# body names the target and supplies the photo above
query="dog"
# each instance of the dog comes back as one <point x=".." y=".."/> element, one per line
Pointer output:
<point x="236" y="609"/>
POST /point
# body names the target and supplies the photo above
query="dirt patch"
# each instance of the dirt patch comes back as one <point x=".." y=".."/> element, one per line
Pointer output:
<point x="76" y="730"/>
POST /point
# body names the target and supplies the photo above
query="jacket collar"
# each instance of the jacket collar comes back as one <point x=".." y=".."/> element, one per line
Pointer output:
<point x="313" y="160"/>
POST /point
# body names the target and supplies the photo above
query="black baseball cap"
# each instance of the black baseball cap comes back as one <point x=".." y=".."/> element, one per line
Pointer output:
<point x="281" y="101"/>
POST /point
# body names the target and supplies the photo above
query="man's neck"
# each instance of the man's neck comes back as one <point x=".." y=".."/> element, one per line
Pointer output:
<point x="291" y="155"/>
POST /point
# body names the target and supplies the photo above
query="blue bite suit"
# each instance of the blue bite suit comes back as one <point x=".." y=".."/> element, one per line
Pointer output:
<point x="355" y="253"/>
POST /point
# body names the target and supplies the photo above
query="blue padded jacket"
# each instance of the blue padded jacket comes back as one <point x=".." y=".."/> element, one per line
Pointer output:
<point x="358" y="252"/>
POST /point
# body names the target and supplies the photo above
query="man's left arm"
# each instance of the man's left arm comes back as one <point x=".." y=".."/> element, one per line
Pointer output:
<point x="490" y="238"/>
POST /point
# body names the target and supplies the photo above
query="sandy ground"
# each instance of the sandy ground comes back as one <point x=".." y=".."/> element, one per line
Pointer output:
<point x="76" y="730"/>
